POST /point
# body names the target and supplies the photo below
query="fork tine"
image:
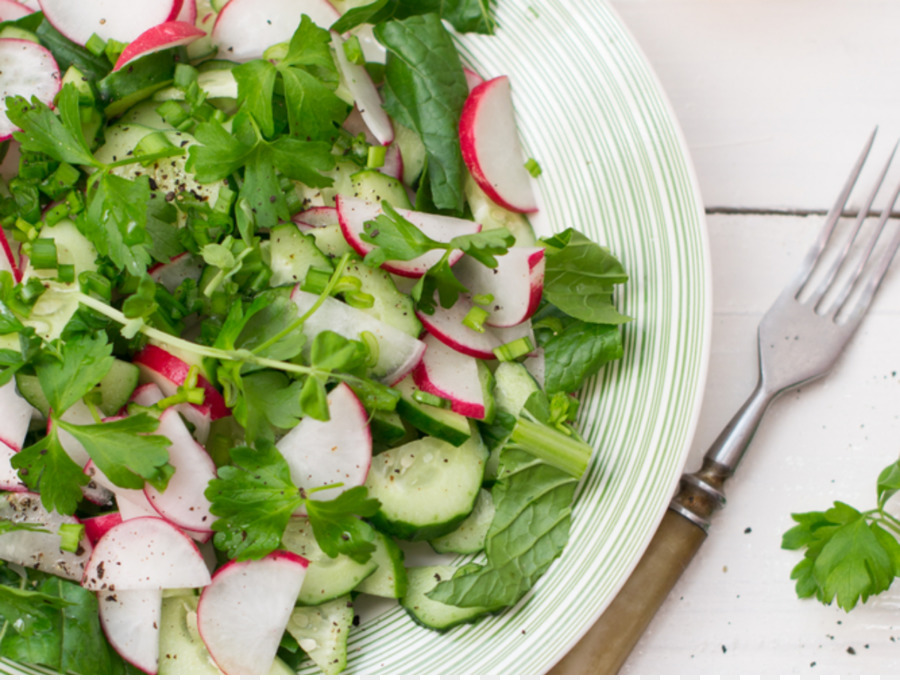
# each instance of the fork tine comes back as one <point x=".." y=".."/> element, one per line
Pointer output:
<point x="841" y="260"/>
<point x="870" y="285"/>
<point x="831" y="219"/>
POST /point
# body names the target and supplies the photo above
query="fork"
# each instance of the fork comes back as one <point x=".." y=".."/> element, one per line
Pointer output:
<point x="799" y="340"/>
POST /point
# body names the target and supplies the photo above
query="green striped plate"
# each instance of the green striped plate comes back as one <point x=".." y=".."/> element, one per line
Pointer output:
<point x="614" y="166"/>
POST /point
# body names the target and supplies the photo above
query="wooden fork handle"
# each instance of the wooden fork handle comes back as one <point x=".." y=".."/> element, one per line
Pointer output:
<point x="606" y="646"/>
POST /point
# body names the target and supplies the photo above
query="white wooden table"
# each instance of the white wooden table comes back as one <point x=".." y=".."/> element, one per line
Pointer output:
<point x="776" y="97"/>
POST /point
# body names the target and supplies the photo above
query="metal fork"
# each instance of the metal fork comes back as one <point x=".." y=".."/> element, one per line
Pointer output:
<point x="800" y="338"/>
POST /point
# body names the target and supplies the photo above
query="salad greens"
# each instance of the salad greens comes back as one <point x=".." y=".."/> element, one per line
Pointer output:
<point x="242" y="167"/>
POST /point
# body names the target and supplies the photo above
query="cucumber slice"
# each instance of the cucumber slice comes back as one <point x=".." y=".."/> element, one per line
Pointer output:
<point x="389" y="305"/>
<point x="513" y="384"/>
<point x="468" y="537"/>
<point x="412" y="151"/>
<point x="125" y="88"/>
<point x="322" y="632"/>
<point x="432" y="420"/>
<point x="291" y="253"/>
<point x="375" y="187"/>
<point x="389" y="579"/>
<point x="326" y="577"/>
<point x="431" y="613"/>
<point x="181" y="649"/>
<point x="330" y="240"/>
<point x="426" y="487"/>
<point x="387" y="428"/>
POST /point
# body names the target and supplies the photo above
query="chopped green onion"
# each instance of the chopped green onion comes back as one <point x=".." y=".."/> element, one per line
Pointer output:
<point x="353" y="50"/>
<point x="75" y="202"/>
<point x="96" y="284"/>
<point x="373" y="349"/>
<point x="60" y="181"/>
<point x="316" y="280"/>
<point x="42" y="253"/>
<point x="358" y="299"/>
<point x="514" y="349"/>
<point x="66" y="273"/>
<point x="430" y="399"/>
<point x="483" y="299"/>
<point x="58" y="212"/>
<point x="70" y="536"/>
<point x="475" y="319"/>
<point x="375" y="156"/>
<point x="533" y="168"/>
<point x="114" y="49"/>
<point x="173" y="113"/>
<point x="185" y="75"/>
<point x="95" y="45"/>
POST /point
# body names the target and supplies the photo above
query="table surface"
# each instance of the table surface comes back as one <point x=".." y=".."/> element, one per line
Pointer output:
<point x="776" y="98"/>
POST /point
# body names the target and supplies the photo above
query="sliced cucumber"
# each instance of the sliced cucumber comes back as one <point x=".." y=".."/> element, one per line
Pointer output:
<point x="291" y="253"/>
<point x="412" y="151"/>
<point x="326" y="577"/>
<point x="322" y="632"/>
<point x="389" y="304"/>
<point x="468" y="537"/>
<point x="375" y="187"/>
<point x="330" y="240"/>
<point x="218" y="83"/>
<point x="181" y="649"/>
<point x="389" y="579"/>
<point x="387" y="428"/>
<point x="432" y="420"/>
<point x="117" y="386"/>
<point x="513" y="384"/>
<point x="126" y="87"/>
<point x="426" y="487"/>
<point x="431" y="613"/>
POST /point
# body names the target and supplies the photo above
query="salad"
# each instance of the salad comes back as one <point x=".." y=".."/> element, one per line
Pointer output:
<point x="271" y="315"/>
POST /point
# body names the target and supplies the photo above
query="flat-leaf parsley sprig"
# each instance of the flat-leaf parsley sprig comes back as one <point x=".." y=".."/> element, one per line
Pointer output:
<point x="849" y="555"/>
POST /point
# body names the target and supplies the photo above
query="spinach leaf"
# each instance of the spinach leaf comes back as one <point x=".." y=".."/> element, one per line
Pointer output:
<point x="425" y="90"/>
<point x="466" y="16"/>
<point x="574" y="350"/>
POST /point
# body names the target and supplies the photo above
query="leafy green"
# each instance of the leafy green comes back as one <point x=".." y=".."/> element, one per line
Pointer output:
<point x="580" y="276"/>
<point x="337" y="525"/>
<point x="70" y="369"/>
<point x="574" y="350"/>
<point x="43" y="131"/>
<point x="253" y="499"/>
<point x="465" y="15"/>
<point x="425" y="90"/>
<point x="529" y="531"/>
<point x="849" y="555"/>
<point x="46" y="467"/>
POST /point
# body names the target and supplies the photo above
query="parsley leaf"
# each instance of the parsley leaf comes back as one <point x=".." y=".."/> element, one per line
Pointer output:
<point x="69" y="370"/>
<point x="337" y="525"/>
<point x="253" y="499"/>
<point x="125" y="451"/>
<point x="43" y="131"/>
<point x="46" y="467"/>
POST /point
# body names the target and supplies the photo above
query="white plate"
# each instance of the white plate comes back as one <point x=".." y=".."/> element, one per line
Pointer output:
<point x="592" y="113"/>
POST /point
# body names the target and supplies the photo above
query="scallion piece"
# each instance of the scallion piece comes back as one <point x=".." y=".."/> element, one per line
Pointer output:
<point x="514" y="349"/>
<point x="42" y="253"/>
<point x="533" y="167"/>
<point x="475" y="319"/>
<point x="70" y="536"/>
<point x="375" y="156"/>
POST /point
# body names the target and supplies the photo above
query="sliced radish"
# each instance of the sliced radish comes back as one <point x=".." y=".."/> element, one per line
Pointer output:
<point x="336" y="451"/>
<point x="183" y="502"/>
<point x="11" y="10"/>
<point x="244" y="29"/>
<point x="473" y="80"/>
<point x="515" y="284"/>
<point x="130" y="619"/>
<point x="96" y="526"/>
<point x="29" y="70"/>
<point x="9" y="475"/>
<point x="158" y="38"/>
<point x="145" y="553"/>
<point x="393" y="162"/>
<point x="16" y="416"/>
<point x="147" y="394"/>
<point x="169" y="372"/>
<point x="365" y="95"/>
<point x="8" y="261"/>
<point x="491" y="148"/>
<point x="188" y="12"/>
<point x="453" y="376"/>
<point x="355" y="212"/>
<point x="318" y="216"/>
<point x="109" y="19"/>
<point x="39" y="550"/>
<point x="180" y="268"/>
<point x="398" y="353"/>
<point x="243" y="613"/>
<point x="446" y="324"/>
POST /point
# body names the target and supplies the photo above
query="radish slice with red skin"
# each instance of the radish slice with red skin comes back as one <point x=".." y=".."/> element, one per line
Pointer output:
<point x="169" y="372"/>
<point x="243" y="612"/>
<point x="40" y="550"/>
<point x="183" y="502"/>
<point x="29" y="70"/>
<point x="158" y="38"/>
<point x="244" y="29"/>
<point x="354" y="213"/>
<point x="451" y="375"/>
<point x="335" y="451"/>
<point x="515" y="284"/>
<point x="147" y="394"/>
<point x="8" y="261"/>
<point x="131" y="619"/>
<point x="446" y="324"/>
<point x="9" y="475"/>
<point x="393" y="162"/>
<point x="491" y="148"/>
<point x="188" y="12"/>
<point x="361" y="87"/>
<point x="318" y="216"/>
<point x="109" y="19"/>
<point x="10" y="10"/>
<point x="97" y="525"/>
<point x="15" y="416"/>
<point x="145" y="553"/>
<point x="473" y="80"/>
<point x="398" y="353"/>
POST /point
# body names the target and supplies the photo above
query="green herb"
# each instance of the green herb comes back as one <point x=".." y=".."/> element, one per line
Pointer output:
<point x="848" y="555"/>
<point x="465" y="15"/>
<point x="425" y="89"/>
<point x="337" y="525"/>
